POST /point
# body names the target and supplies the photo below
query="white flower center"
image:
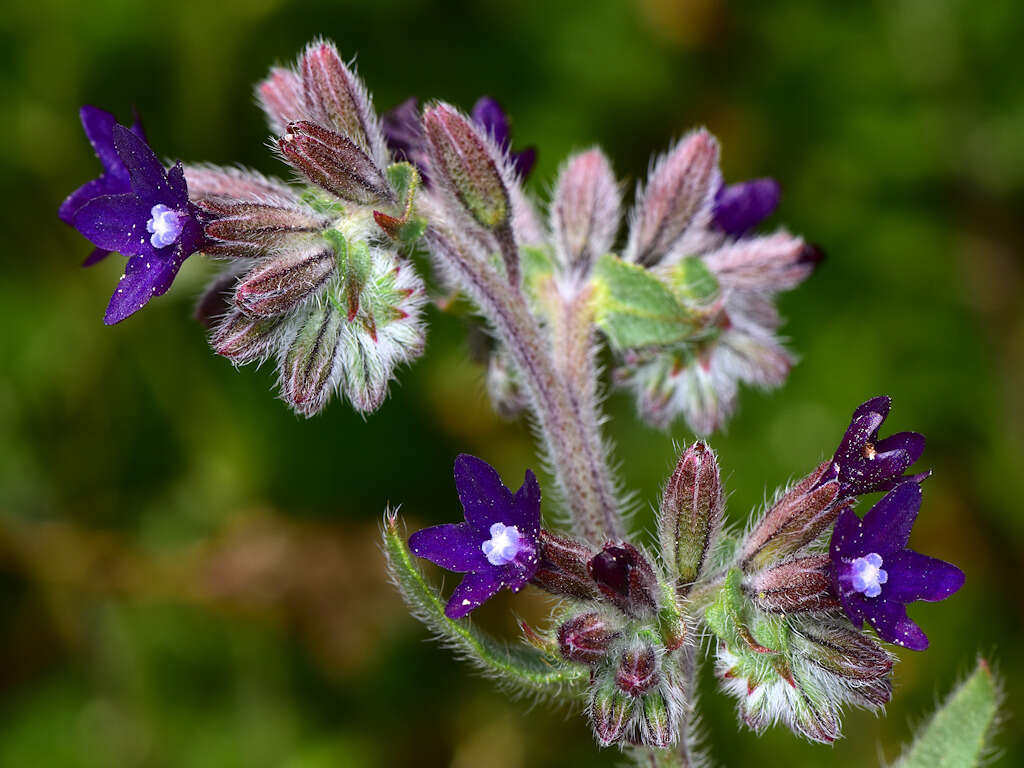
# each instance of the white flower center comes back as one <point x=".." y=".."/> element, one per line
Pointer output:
<point x="165" y="225"/>
<point x="503" y="546"/>
<point x="868" y="576"/>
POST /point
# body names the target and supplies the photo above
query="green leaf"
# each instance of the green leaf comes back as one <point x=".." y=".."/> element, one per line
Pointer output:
<point x="957" y="736"/>
<point x="635" y="309"/>
<point x="693" y="281"/>
<point x="521" y="668"/>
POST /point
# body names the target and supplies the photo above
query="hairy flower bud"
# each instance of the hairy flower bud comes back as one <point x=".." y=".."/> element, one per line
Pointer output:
<point x="335" y="97"/>
<point x="244" y="339"/>
<point x="658" y="726"/>
<point x="842" y="651"/>
<point x="610" y="711"/>
<point x="334" y="162"/>
<point x="799" y="517"/>
<point x="280" y="283"/>
<point x="793" y="586"/>
<point x="280" y="95"/>
<point x="585" y="638"/>
<point x="585" y="210"/>
<point x="466" y="161"/>
<point x="309" y="363"/>
<point x="625" y="577"/>
<point x="563" y="569"/>
<point x="243" y="229"/>
<point x="207" y="182"/>
<point x="691" y="513"/>
<point x="638" y="671"/>
<point x="773" y="263"/>
<point x="678" y="195"/>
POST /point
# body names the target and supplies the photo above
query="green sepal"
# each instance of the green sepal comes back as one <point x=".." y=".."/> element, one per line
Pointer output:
<point x="958" y="734"/>
<point x="523" y="668"/>
<point x="405" y="180"/>
<point x="693" y="281"/>
<point x="635" y="309"/>
<point x="321" y="203"/>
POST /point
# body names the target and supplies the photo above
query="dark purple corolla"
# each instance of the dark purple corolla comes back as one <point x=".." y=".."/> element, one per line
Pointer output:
<point x="403" y="130"/>
<point x="99" y="128"/>
<point x="875" y="575"/>
<point x="496" y="547"/>
<point x="144" y="213"/>
<point x="740" y="207"/>
<point x="866" y="464"/>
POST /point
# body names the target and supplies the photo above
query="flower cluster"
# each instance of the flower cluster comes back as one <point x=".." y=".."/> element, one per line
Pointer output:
<point x="786" y="616"/>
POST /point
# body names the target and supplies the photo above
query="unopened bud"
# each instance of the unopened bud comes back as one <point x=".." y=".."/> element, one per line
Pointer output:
<point x="243" y="339"/>
<point x="280" y="95"/>
<point x="625" y="577"/>
<point x="467" y="162"/>
<point x="659" y="723"/>
<point x="244" y="229"/>
<point x="281" y="283"/>
<point x="794" y="521"/>
<point x="337" y="98"/>
<point x="610" y="712"/>
<point x="585" y="210"/>
<point x="681" y="186"/>
<point x="842" y="651"/>
<point x="638" y="670"/>
<point x="691" y="513"/>
<point x="309" y="363"/>
<point x="769" y="264"/>
<point x="586" y="638"/>
<point x="564" y="568"/>
<point x="793" y="586"/>
<point x="334" y="162"/>
<point x="215" y="301"/>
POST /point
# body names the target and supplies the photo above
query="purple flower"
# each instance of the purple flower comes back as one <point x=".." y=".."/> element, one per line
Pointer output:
<point x="137" y="208"/>
<point x="99" y="128"/>
<point x="403" y="131"/>
<point x="867" y="464"/>
<point x="740" y="207"/>
<point x="497" y="545"/>
<point x="875" y="575"/>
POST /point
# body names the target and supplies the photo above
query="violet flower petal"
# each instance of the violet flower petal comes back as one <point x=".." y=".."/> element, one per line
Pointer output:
<point x="455" y="547"/>
<point x="525" y="505"/>
<point x="524" y="161"/>
<point x="885" y="529"/>
<point x="879" y="405"/>
<point x="99" y="128"/>
<point x="890" y="620"/>
<point x="117" y="223"/>
<point x="104" y="185"/>
<point x="484" y="497"/>
<point x="143" y="279"/>
<point x="738" y="208"/>
<point x="149" y="179"/>
<point x="913" y="576"/>
<point x="488" y="114"/>
<point x="97" y="255"/>
<point x="474" y="591"/>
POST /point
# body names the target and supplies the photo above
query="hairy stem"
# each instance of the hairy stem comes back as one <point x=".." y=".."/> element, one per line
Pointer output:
<point x="580" y="469"/>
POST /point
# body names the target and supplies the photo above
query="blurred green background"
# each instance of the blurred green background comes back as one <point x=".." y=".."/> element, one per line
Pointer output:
<point x="189" y="574"/>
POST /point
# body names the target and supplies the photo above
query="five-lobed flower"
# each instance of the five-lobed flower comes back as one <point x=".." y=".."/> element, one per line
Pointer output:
<point x="497" y="545"/>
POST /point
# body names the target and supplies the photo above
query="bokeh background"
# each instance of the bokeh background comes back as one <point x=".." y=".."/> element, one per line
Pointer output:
<point x="190" y="575"/>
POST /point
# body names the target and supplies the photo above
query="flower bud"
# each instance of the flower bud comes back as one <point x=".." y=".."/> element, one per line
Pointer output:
<point x="215" y="301"/>
<point x="800" y="584"/>
<point x="679" y="191"/>
<point x="638" y="671"/>
<point x="466" y="161"/>
<point x="585" y="210"/>
<point x="207" y="182"/>
<point x="243" y="229"/>
<point x="563" y="568"/>
<point x="625" y="577"/>
<point x="335" y="163"/>
<point x="610" y="712"/>
<point x="335" y="97"/>
<point x="586" y="638"/>
<point x="280" y="95"/>
<point x="773" y="263"/>
<point x="658" y="728"/>
<point x="799" y="517"/>
<point x="309" y="363"/>
<point x="691" y="513"/>
<point x="243" y="339"/>
<point x="842" y="651"/>
<point x="281" y="283"/>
